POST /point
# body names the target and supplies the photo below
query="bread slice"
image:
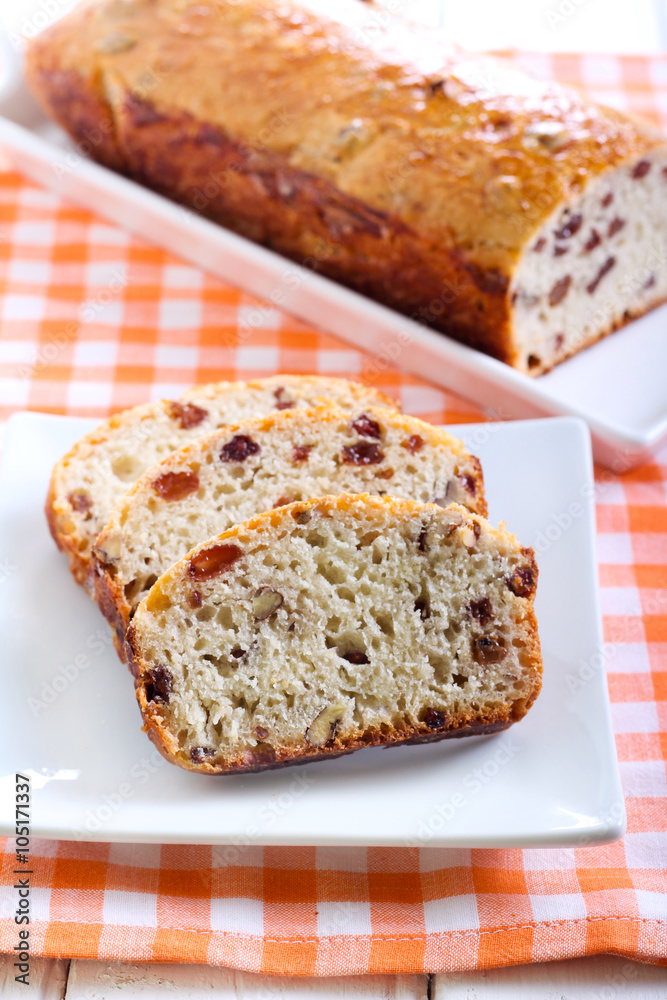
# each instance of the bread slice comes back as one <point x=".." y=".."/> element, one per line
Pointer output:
<point x="237" y="472"/>
<point x="93" y="476"/>
<point x="333" y="624"/>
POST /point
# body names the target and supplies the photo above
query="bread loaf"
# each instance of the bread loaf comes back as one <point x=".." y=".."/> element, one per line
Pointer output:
<point x="93" y="476"/>
<point x="509" y="213"/>
<point x="234" y="473"/>
<point x="329" y="625"/>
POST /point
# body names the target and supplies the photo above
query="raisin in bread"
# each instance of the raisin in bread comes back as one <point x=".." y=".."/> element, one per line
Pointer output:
<point x="333" y="624"/>
<point x="513" y="214"/>
<point x="93" y="476"/>
<point x="237" y="472"/>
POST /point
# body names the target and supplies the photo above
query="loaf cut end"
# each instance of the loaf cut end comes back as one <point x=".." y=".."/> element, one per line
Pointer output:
<point x="333" y="624"/>
<point x="594" y="265"/>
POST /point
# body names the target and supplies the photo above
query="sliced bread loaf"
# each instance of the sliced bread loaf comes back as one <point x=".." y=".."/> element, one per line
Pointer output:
<point x="333" y="624"/>
<point x="234" y="473"/>
<point x="103" y="465"/>
<point x="511" y="213"/>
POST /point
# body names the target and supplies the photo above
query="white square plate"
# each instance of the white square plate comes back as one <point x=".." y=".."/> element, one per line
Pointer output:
<point x="68" y="715"/>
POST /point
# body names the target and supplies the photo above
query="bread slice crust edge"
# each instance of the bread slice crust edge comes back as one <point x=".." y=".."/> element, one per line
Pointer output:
<point x="452" y="726"/>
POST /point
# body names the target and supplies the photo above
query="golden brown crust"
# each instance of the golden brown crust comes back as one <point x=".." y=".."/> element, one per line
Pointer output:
<point x="300" y="384"/>
<point x="64" y="539"/>
<point x="371" y="251"/>
<point x="65" y="533"/>
<point x="478" y="490"/>
<point x="452" y="726"/>
<point x="58" y="510"/>
<point x="379" y="161"/>
<point x="108" y="598"/>
<point x="82" y="104"/>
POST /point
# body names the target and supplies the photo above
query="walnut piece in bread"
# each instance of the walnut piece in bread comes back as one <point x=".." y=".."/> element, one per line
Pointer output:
<point x="333" y="624"/>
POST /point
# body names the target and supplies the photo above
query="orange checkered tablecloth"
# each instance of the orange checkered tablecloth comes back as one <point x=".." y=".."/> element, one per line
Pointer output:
<point x="92" y="320"/>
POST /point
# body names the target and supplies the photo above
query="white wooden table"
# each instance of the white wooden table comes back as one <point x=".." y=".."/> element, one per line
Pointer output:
<point x="577" y="979"/>
<point x="533" y="25"/>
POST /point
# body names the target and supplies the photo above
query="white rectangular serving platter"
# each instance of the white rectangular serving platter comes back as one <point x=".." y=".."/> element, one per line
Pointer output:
<point x="69" y="719"/>
<point x="619" y="386"/>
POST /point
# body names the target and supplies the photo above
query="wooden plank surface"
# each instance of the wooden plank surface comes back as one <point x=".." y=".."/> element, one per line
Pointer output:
<point x="47" y="979"/>
<point x="53" y="979"/>
<point x="578" y="979"/>
<point x="101" y="981"/>
<point x="602" y="978"/>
